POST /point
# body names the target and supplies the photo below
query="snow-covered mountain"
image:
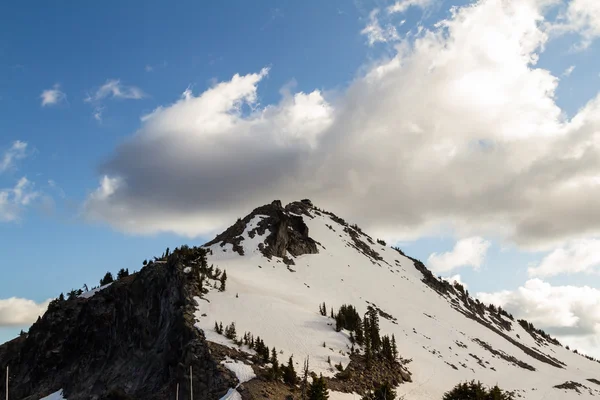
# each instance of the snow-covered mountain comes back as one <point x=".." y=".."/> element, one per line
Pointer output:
<point x="449" y="336"/>
<point x="138" y="337"/>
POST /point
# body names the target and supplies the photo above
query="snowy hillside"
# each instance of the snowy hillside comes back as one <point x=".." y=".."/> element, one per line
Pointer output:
<point x="448" y="337"/>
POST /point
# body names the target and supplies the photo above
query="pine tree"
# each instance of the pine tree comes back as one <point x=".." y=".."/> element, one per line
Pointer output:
<point x="360" y="338"/>
<point x="123" y="273"/>
<point x="318" y="389"/>
<point x="394" y="348"/>
<point x="367" y="341"/>
<point x="386" y="348"/>
<point x="305" y="379"/>
<point x="223" y="280"/>
<point x="221" y="328"/>
<point x="289" y="374"/>
<point x="373" y="330"/>
<point x="230" y="332"/>
<point x="383" y="392"/>
<point x="217" y="327"/>
<point x="476" y="391"/>
<point x="61" y="297"/>
<point x="108" y="278"/>
<point x="274" y="372"/>
<point x="145" y="262"/>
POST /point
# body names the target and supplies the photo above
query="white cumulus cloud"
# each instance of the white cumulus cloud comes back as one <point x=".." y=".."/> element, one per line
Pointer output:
<point x="570" y="313"/>
<point x="576" y="257"/>
<point x="53" y="96"/>
<point x="16" y="311"/>
<point x="469" y="252"/>
<point x="459" y="129"/>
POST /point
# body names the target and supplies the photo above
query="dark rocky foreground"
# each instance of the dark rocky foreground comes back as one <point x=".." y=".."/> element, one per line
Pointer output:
<point x="133" y="340"/>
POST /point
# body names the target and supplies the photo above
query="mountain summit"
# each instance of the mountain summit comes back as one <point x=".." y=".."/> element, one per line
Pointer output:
<point x="284" y="291"/>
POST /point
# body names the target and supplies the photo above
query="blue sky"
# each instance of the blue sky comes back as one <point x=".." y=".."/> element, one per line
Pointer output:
<point x="106" y="65"/>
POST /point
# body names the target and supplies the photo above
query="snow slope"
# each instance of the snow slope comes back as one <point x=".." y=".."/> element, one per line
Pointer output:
<point x="54" y="396"/>
<point x="281" y="304"/>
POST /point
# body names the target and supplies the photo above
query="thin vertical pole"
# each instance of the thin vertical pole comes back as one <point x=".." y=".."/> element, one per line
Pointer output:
<point x="191" y="385"/>
<point x="177" y="393"/>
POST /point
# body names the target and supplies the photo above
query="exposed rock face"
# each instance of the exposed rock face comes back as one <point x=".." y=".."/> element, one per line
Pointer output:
<point x="133" y="340"/>
<point x="288" y="232"/>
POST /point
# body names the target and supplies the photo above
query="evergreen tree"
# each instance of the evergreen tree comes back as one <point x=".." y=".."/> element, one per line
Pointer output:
<point x="318" y="389"/>
<point x="223" y="280"/>
<point x="230" y="332"/>
<point x="367" y="340"/>
<point x="289" y="374"/>
<point x="167" y="252"/>
<point x="61" y="297"/>
<point x="394" y="348"/>
<point x="385" y="391"/>
<point x="360" y="338"/>
<point x="274" y="372"/>
<point x="217" y="327"/>
<point x="476" y="391"/>
<point x="123" y="273"/>
<point x="85" y="287"/>
<point x="108" y="278"/>
<point x="373" y="330"/>
<point x="221" y="328"/>
<point x="386" y="348"/>
<point x="305" y="379"/>
<point x="145" y="262"/>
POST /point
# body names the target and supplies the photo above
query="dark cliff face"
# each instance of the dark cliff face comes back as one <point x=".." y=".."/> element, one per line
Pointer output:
<point x="287" y="231"/>
<point x="133" y="340"/>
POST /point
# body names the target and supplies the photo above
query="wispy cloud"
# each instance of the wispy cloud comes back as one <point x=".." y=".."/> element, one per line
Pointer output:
<point x="113" y="88"/>
<point x="403" y="5"/>
<point x="17" y="151"/>
<point x="13" y="200"/>
<point x="583" y="18"/>
<point x="376" y="33"/>
<point x="97" y="114"/>
<point x="152" y="67"/>
<point x="568" y="71"/>
<point x="53" y="96"/>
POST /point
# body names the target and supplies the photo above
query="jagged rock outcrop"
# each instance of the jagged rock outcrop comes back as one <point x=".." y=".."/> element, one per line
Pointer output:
<point x="287" y="232"/>
<point x="133" y="340"/>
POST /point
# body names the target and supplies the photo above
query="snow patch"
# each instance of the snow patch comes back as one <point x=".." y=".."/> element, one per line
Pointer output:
<point x="90" y="293"/>
<point x="232" y="394"/>
<point x="187" y="270"/>
<point x="343" y="396"/>
<point x="55" y="396"/>
<point x="242" y="371"/>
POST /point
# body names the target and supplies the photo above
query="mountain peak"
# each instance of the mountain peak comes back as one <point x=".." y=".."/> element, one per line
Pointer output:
<point x="279" y="231"/>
